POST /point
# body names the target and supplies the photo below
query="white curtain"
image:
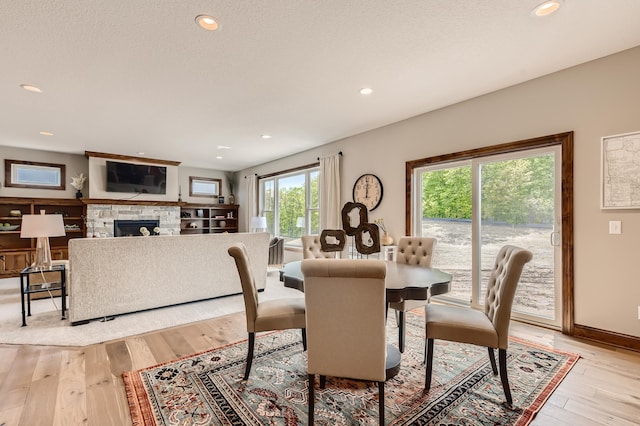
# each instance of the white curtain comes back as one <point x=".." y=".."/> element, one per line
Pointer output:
<point x="252" y="200"/>
<point x="330" y="209"/>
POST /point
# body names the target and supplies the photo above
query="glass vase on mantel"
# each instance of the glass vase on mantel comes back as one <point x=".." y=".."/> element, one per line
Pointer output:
<point x="232" y="199"/>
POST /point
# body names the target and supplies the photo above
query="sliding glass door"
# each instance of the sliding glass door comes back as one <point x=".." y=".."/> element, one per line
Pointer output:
<point x="475" y="207"/>
<point x="446" y="209"/>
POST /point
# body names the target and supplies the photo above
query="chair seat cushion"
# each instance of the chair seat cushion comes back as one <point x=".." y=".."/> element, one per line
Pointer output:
<point x="458" y="324"/>
<point x="280" y="314"/>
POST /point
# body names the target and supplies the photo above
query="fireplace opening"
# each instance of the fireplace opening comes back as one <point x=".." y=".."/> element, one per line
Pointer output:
<point x="131" y="228"/>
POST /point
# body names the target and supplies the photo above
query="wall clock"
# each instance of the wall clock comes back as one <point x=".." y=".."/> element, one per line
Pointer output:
<point x="368" y="191"/>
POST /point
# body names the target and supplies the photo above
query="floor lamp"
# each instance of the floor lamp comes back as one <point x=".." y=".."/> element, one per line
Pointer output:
<point x="42" y="226"/>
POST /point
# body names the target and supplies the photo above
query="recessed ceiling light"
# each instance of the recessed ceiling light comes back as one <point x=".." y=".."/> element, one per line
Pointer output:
<point x="207" y="22"/>
<point x="46" y="133"/>
<point x="546" y="8"/>
<point x="31" y="88"/>
<point x="265" y="136"/>
<point x="140" y="153"/>
<point x="366" y="91"/>
<point x="223" y="147"/>
<point x="219" y="157"/>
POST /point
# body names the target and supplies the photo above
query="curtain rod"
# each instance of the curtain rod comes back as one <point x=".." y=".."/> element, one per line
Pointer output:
<point x="339" y="153"/>
<point x="297" y="168"/>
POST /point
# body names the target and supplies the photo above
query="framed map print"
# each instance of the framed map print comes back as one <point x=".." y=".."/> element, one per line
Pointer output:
<point x="620" y="171"/>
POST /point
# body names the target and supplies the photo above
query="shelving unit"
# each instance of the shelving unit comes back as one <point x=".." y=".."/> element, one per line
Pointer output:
<point x="208" y="219"/>
<point x="17" y="253"/>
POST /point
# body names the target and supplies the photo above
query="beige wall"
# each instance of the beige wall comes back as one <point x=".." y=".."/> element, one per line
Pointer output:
<point x="596" y="99"/>
<point x="186" y="172"/>
<point x="98" y="183"/>
<point x="74" y="165"/>
<point x="94" y="170"/>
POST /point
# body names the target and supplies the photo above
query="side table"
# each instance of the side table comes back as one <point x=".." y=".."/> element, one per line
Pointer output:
<point x="46" y="284"/>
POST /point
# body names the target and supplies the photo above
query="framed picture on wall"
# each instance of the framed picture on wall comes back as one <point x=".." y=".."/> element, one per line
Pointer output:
<point x="620" y="171"/>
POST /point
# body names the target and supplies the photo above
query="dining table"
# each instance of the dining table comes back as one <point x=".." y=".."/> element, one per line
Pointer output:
<point x="403" y="282"/>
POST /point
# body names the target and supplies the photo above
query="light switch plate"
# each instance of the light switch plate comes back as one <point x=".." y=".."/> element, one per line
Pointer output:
<point x="615" y="227"/>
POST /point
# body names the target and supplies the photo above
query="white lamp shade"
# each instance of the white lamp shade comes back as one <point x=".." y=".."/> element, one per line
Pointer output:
<point x="259" y="222"/>
<point x="41" y="225"/>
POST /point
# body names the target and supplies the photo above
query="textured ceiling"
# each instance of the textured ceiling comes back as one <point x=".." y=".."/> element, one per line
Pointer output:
<point x="123" y="76"/>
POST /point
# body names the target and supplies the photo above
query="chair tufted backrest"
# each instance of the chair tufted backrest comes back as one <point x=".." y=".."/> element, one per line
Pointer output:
<point x="239" y="253"/>
<point x="501" y="288"/>
<point x="416" y="251"/>
<point x="346" y="314"/>
<point x="312" y="248"/>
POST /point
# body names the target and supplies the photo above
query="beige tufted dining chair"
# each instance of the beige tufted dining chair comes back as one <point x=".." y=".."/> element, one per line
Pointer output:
<point x="277" y="314"/>
<point x="488" y="328"/>
<point x="345" y="301"/>
<point x="412" y="251"/>
<point x="312" y="248"/>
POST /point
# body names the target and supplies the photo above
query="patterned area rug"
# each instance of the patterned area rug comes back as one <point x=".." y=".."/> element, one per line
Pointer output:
<point x="207" y="388"/>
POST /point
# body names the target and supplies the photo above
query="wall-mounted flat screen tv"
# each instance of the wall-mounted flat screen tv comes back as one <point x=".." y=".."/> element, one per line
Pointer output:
<point x="136" y="178"/>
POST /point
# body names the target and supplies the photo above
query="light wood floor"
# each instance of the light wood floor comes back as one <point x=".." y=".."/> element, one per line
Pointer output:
<point x="42" y="385"/>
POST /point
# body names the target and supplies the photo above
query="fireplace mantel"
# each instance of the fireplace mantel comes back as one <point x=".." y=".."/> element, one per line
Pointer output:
<point x="132" y="202"/>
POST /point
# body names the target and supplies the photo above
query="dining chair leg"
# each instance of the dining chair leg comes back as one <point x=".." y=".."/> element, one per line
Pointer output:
<point x="312" y="379"/>
<point x="250" y="344"/>
<point x="381" y="402"/>
<point x="323" y="381"/>
<point x="304" y="339"/>
<point x="502" y="360"/>
<point x="401" y="327"/>
<point x="424" y="358"/>
<point x="427" y="379"/>
<point x="492" y="358"/>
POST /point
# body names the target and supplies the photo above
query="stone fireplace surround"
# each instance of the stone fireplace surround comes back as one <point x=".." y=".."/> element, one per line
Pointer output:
<point x="100" y="217"/>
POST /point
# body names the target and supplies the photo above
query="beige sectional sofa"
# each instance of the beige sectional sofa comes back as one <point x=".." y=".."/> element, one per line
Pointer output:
<point x="113" y="276"/>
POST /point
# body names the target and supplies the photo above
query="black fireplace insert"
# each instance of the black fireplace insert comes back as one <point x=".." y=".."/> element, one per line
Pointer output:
<point x="131" y="228"/>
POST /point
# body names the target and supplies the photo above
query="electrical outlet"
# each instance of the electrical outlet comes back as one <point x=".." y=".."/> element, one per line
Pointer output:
<point x="615" y="227"/>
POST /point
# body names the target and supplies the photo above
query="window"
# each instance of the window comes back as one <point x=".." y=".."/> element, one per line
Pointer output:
<point x="204" y="187"/>
<point x="290" y="201"/>
<point x="29" y="174"/>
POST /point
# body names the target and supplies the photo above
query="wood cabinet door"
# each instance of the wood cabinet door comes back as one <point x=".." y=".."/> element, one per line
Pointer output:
<point x="14" y="262"/>
<point x="59" y="254"/>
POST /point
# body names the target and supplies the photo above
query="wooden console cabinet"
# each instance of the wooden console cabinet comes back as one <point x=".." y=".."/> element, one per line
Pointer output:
<point x="18" y="253"/>
<point x="208" y="219"/>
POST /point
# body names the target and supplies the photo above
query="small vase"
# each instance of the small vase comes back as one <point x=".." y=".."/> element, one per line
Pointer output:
<point x="232" y="199"/>
<point x="386" y="239"/>
<point x="79" y="194"/>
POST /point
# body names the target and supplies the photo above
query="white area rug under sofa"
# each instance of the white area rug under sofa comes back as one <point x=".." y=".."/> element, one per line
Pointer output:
<point x="45" y="327"/>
